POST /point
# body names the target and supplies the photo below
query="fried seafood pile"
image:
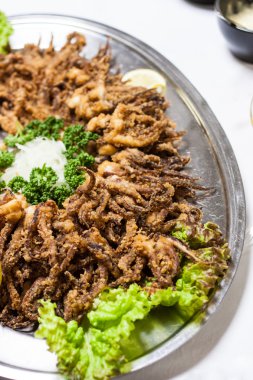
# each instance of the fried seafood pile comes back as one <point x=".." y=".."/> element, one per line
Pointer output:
<point x="116" y="228"/>
<point x="35" y="83"/>
<point x="113" y="231"/>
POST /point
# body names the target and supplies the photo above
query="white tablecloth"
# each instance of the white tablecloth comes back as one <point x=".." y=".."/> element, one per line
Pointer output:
<point x="188" y="35"/>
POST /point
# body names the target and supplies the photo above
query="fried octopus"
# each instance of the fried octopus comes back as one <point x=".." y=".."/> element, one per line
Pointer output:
<point x="116" y="228"/>
<point x="103" y="237"/>
<point x="35" y="83"/>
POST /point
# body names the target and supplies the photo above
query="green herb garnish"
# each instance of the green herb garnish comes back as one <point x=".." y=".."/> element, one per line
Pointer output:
<point x="60" y="193"/>
<point x="41" y="182"/>
<point x="2" y="185"/>
<point x="6" y="31"/>
<point x="73" y="175"/>
<point x="41" y="186"/>
<point x="49" y="128"/>
<point x="76" y="139"/>
<point x="17" y="184"/>
<point x="6" y="159"/>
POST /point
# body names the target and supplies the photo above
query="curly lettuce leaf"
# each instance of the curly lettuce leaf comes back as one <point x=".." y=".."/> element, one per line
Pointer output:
<point x="94" y="352"/>
<point x="65" y="339"/>
<point x="5" y="32"/>
<point x="116" y="307"/>
<point x="197" y="236"/>
<point x="97" y="351"/>
<point x="164" y="297"/>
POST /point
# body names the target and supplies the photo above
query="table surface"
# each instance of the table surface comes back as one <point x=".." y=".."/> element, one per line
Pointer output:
<point x="188" y="35"/>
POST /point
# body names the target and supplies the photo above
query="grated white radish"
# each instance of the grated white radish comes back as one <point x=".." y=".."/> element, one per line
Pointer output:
<point x="35" y="154"/>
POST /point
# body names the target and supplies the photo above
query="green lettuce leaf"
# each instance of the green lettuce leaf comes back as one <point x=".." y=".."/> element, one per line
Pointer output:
<point x="65" y="339"/>
<point x="198" y="236"/>
<point x="5" y="32"/>
<point x="165" y="297"/>
<point x="96" y="350"/>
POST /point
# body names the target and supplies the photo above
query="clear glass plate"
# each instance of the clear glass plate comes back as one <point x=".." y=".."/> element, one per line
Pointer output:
<point x="212" y="159"/>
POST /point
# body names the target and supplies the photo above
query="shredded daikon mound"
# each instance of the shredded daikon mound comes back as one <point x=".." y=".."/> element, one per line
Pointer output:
<point x="35" y="154"/>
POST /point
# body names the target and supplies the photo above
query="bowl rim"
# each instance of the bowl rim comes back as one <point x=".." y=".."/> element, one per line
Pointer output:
<point x="223" y="17"/>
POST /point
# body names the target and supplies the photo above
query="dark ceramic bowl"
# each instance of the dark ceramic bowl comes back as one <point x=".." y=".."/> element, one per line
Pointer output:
<point x="239" y="38"/>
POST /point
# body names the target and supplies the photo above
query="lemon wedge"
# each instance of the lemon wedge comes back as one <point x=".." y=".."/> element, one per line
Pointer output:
<point x="145" y="78"/>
